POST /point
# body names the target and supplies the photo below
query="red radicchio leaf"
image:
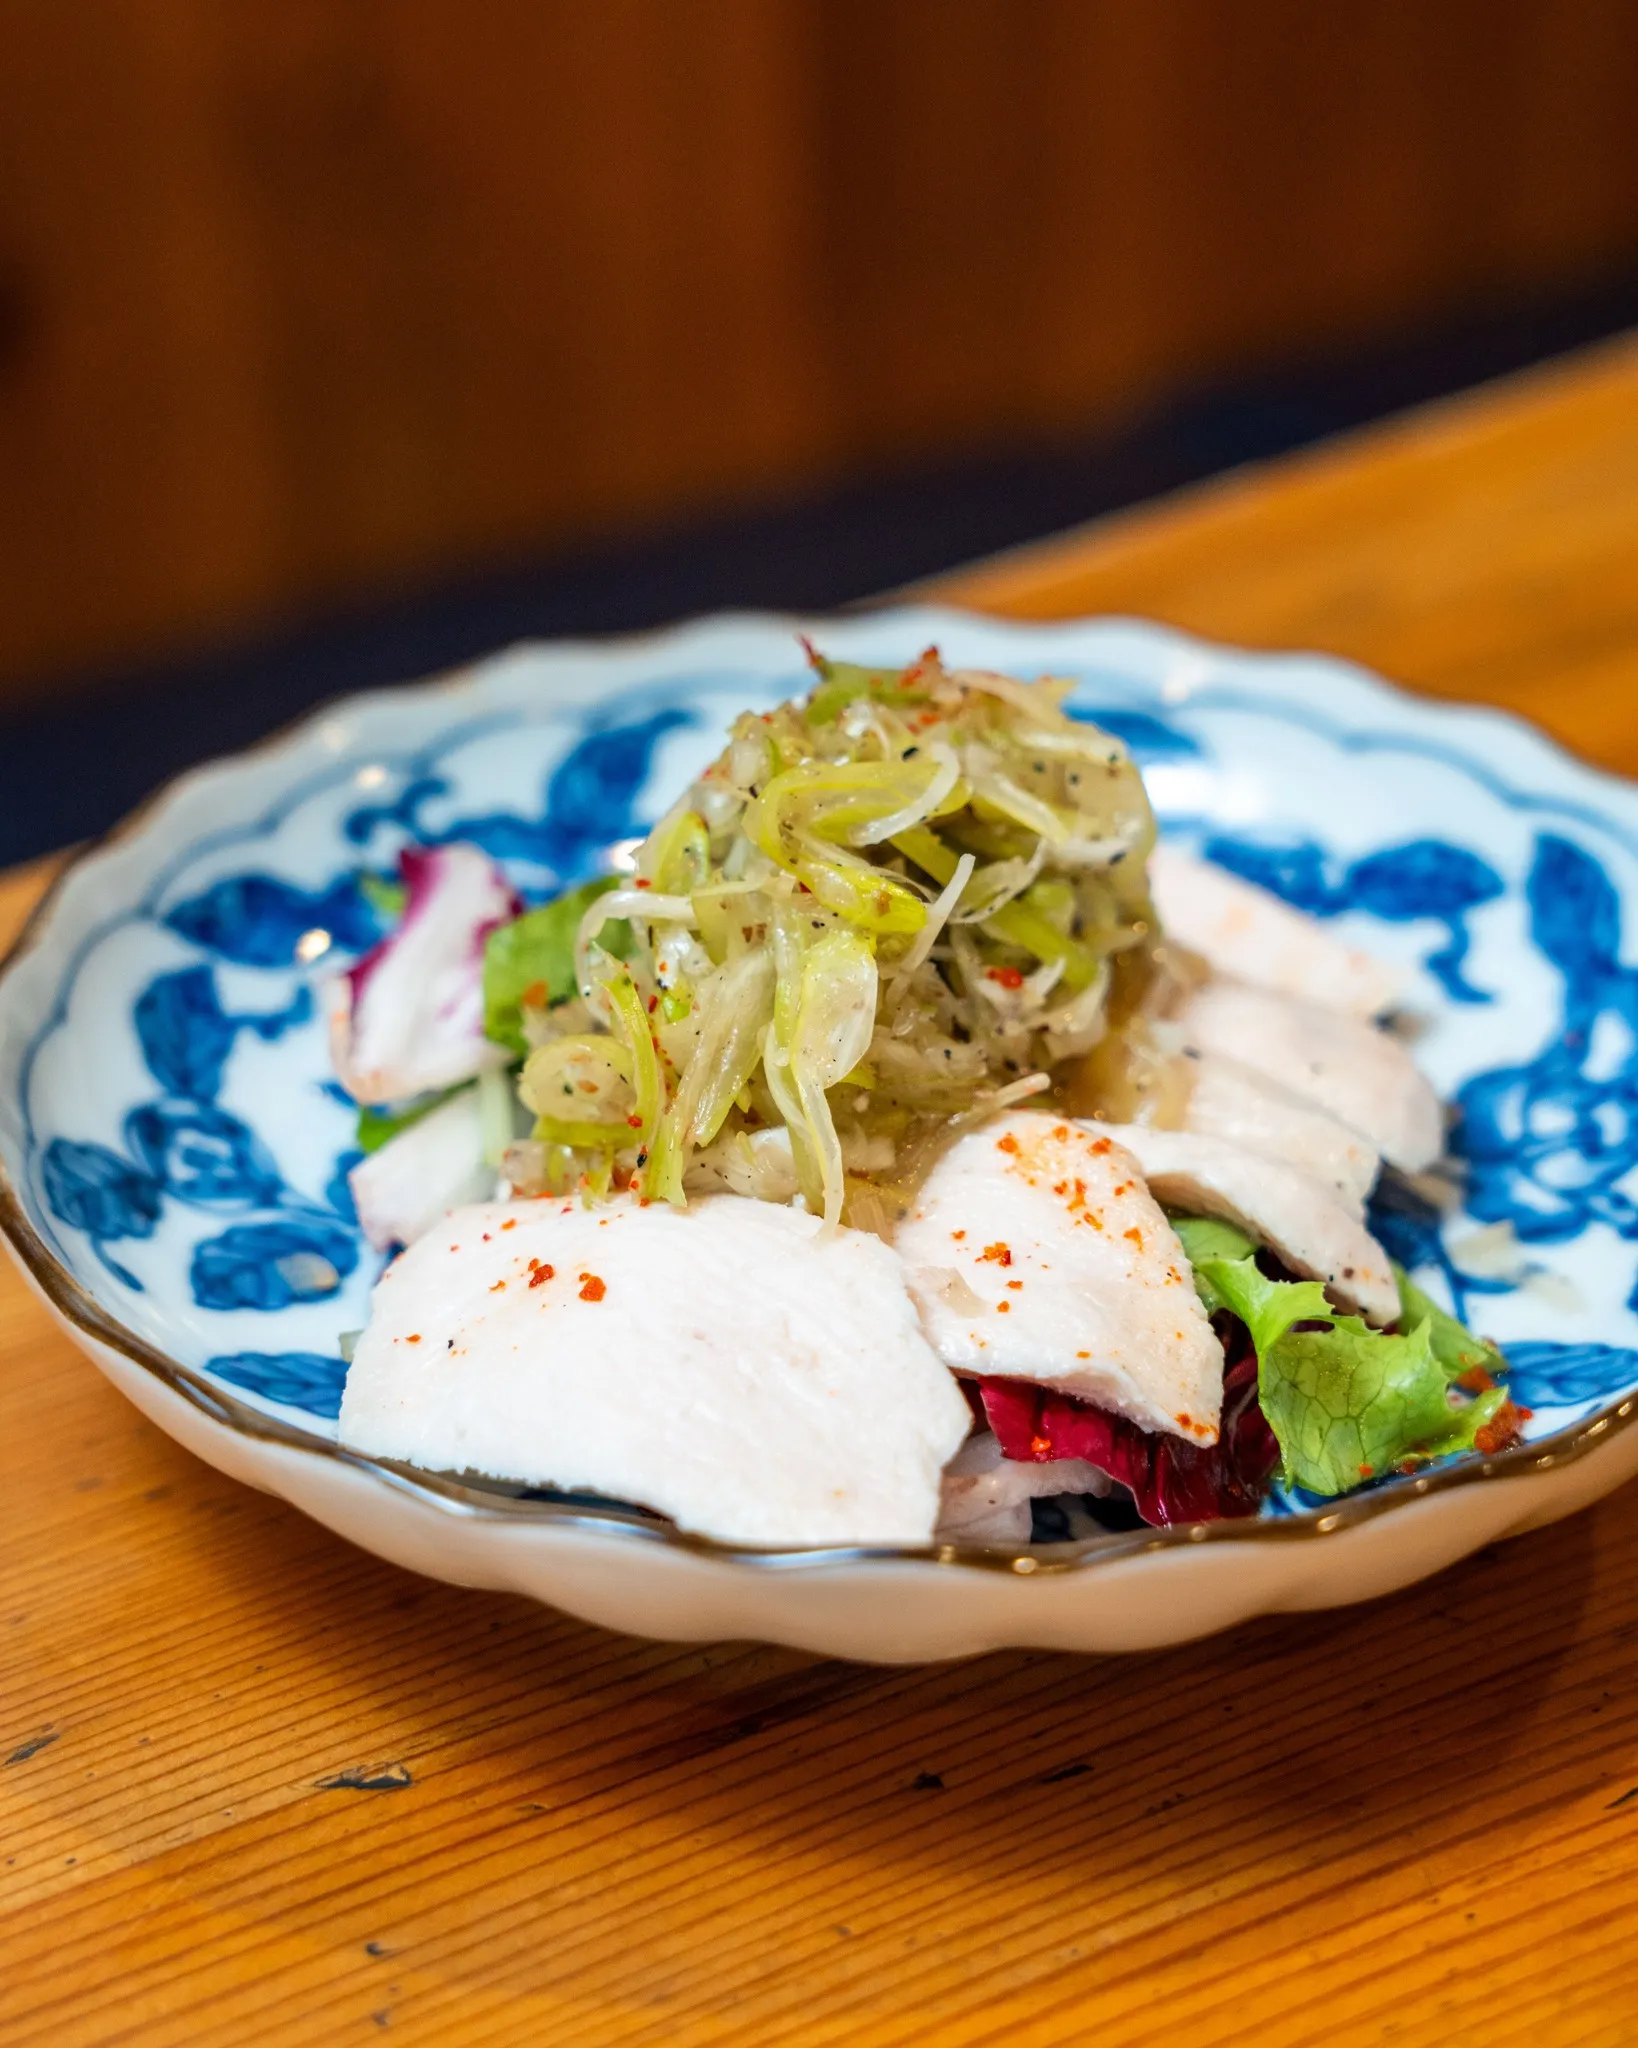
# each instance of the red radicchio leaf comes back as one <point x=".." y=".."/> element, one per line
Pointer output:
<point x="422" y="870"/>
<point x="408" y="1017"/>
<point x="1171" y="1481"/>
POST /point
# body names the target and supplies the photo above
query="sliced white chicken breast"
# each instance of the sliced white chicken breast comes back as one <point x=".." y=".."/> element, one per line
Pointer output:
<point x="1359" y="1075"/>
<point x="1277" y="1204"/>
<point x="1036" y="1253"/>
<point x="1248" y="932"/>
<point x="435" y="1165"/>
<point x="987" y="1497"/>
<point x="730" y="1365"/>
<point x="1231" y="1101"/>
<point x="759" y="1164"/>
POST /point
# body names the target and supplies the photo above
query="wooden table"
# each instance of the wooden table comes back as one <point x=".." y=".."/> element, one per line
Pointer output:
<point x="1413" y="1823"/>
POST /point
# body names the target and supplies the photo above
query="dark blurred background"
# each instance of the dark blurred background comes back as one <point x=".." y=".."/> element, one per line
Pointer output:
<point x="343" y="338"/>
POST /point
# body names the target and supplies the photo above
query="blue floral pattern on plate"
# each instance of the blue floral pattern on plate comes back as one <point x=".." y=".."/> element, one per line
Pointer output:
<point x="1423" y="879"/>
<point x="185" y="1152"/>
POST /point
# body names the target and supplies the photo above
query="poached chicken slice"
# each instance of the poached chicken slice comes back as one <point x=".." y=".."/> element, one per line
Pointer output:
<point x="987" y="1495"/>
<point x="1359" y="1075"/>
<point x="1248" y="932"/>
<point x="731" y="1365"/>
<point x="1231" y="1101"/>
<point x="1036" y="1253"/>
<point x="1279" y="1205"/>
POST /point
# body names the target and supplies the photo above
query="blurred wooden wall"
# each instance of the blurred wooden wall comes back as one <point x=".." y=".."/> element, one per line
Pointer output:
<point x="298" y="297"/>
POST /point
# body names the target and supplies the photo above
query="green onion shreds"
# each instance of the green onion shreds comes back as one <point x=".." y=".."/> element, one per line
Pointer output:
<point x="878" y="914"/>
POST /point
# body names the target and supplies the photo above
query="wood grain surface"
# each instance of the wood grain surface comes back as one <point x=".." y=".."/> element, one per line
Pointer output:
<point x="1410" y="1823"/>
<point x="300" y="301"/>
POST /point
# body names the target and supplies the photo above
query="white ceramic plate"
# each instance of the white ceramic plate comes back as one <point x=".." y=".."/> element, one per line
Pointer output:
<point x="174" y="1154"/>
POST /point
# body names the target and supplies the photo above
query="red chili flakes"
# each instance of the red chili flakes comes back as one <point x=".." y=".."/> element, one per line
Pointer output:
<point x="1008" y="977"/>
<point x="535" y="996"/>
<point x="1007" y="1144"/>
<point x="1083" y="1354"/>
<point x="958" y="1235"/>
<point x="1125" y="1187"/>
<point x="1502" y="1430"/>
<point x="641" y="882"/>
<point x="635" y="1122"/>
<point x="1060" y="1132"/>
<point x="500" y="1287"/>
<point x="1040" y="1447"/>
<point x="1134" y="1236"/>
<point x="1102" y="1145"/>
<point x="653" y="1004"/>
<point x="413" y="1340"/>
<point x="592" y="1289"/>
<point x="511" y="1223"/>
<point x="486" y="1237"/>
<point x="1475" y="1380"/>
<point x="1003" y="1308"/>
<point x="539" y="1274"/>
<point x="996" y="1254"/>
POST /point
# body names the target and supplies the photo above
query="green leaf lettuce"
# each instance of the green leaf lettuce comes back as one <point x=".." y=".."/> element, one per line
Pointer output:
<point x="1346" y="1402"/>
<point x="533" y="956"/>
<point x="378" y="1125"/>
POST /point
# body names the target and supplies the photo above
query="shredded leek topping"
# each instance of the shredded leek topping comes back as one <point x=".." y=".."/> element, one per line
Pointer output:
<point x="879" y="914"/>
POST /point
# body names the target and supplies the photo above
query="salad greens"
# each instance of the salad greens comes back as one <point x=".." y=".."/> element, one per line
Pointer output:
<point x="530" y="962"/>
<point x="903" y="902"/>
<point x="1345" y="1402"/>
<point x="385" y="895"/>
<point x="376" y="1126"/>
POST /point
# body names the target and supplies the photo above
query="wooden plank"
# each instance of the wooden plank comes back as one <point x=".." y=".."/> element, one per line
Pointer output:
<point x="297" y="301"/>
<point x="1409" y="1822"/>
<point x="1481" y="549"/>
